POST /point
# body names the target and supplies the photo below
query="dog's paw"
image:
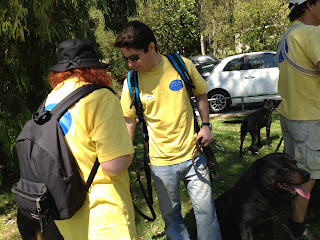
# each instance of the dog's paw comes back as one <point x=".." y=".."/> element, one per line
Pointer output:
<point x="254" y="152"/>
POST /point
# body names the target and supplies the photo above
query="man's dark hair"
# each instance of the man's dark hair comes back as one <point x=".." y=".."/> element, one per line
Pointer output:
<point x="300" y="9"/>
<point x="135" y="35"/>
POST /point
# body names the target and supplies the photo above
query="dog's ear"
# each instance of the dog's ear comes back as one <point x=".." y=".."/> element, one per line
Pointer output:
<point x="287" y="158"/>
<point x="266" y="103"/>
<point x="253" y="171"/>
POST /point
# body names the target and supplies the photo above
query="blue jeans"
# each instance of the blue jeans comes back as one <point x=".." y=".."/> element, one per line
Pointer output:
<point x="166" y="180"/>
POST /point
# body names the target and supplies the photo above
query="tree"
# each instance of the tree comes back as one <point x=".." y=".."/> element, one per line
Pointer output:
<point x="199" y="4"/>
<point x="30" y="32"/>
<point x="174" y="22"/>
<point x="233" y="26"/>
<point x="105" y="38"/>
<point x="258" y="29"/>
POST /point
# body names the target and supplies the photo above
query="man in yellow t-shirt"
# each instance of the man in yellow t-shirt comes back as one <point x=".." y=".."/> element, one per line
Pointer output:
<point x="170" y="124"/>
<point x="299" y="87"/>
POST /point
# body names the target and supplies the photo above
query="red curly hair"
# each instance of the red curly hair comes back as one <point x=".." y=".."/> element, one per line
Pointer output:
<point x="91" y="75"/>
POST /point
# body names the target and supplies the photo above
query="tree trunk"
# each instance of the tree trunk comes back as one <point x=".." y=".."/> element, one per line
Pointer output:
<point x="202" y="40"/>
<point x="203" y="44"/>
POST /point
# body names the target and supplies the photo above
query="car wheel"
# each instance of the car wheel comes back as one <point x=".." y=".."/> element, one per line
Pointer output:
<point x="219" y="105"/>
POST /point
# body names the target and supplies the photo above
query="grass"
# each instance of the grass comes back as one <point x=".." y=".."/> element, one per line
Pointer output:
<point x="228" y="137"/>
<point x="8" y="214"/>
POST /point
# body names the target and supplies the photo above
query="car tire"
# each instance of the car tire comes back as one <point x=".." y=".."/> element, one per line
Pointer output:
<point x="218" y="106"/>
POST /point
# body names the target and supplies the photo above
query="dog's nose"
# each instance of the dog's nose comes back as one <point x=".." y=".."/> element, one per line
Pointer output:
<point x="306" y="175"/>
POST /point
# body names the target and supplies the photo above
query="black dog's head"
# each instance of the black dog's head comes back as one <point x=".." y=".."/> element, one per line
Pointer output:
<point x="278" y="172"/>
<point x="270" y="105"/>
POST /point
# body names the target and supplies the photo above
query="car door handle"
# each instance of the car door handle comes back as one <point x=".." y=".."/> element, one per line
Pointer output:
<point x="249" y="77"/>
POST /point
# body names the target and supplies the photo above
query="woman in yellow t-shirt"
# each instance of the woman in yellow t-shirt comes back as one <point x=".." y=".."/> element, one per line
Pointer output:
<point x="94" y="127"/>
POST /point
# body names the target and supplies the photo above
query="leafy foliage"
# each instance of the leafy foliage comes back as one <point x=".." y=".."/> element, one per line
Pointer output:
<point x="30" y="32"/>
<point x="175" y="24"/>
<point x="233" y="26"/>
<point x="116" y="12"/>
<point x="260" y="29"/>
<point x="105" y="39"/>
<point x="219" y="28"/>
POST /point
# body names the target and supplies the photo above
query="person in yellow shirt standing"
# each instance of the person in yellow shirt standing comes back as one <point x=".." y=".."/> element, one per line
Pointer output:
<point x="170" y="124"/>
<point x="94" y="127"/>
<point x="298" y="58"/>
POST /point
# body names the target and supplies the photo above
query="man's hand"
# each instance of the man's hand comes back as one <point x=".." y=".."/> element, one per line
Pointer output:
<point x="206" y="135"/>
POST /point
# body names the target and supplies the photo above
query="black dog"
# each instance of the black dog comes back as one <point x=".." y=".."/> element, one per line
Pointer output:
<point x="244" y="209"/>
<point x="256" y="120"/>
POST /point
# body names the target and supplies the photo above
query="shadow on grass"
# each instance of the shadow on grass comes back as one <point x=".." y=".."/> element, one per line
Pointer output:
<point x="7" y="207"/>
<point x="7" y="203"/>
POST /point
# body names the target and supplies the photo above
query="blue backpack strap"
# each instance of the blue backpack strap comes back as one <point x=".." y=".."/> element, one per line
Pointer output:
<point x="132" y="79"/>
<point x="181" y="68"/>
<point x="136" y="89"/>
<point x="129" y="82"/>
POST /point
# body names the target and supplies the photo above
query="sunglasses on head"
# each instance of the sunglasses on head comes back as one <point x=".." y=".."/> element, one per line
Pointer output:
<point x="133" y="57"/>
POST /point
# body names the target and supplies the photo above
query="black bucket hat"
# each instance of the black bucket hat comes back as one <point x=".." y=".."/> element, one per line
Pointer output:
<point x="76" y="53"/>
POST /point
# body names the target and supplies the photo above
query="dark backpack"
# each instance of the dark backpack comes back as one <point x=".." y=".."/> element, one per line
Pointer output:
<point x="50" y="186"/>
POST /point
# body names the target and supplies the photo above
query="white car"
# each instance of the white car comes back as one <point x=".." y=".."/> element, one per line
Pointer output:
<point x="204" y="64"/>
<point x="243" y="75"/>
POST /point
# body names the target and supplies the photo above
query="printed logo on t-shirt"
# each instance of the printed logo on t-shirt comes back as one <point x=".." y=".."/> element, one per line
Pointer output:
<point x="176" y="85"/>
<point x="65" y="121"/>
<point x="281" y="58"/>
<point x="149" y="97"/>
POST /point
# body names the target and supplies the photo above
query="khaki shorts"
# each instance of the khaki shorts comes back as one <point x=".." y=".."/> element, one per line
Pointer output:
<point x="302" y="142"/>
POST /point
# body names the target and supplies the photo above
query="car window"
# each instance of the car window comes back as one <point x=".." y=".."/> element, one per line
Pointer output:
<point x="235" y="64"/>
<point x="207" y="59"/>
<point x="267" y="60"/>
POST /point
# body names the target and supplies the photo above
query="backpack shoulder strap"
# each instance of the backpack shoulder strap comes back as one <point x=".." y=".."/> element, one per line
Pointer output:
<point x="132" y="79"/>
<point x="181" y="68"/>
<point x="69" y="101"/>
<point x="74" y="97"/>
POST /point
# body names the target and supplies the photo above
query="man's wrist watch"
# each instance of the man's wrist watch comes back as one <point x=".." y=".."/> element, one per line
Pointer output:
<point x="207" y="124"/>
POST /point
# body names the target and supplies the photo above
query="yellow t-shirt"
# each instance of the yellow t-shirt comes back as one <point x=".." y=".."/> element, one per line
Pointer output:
<point x="95" y="127"/>
<point x="300" y="93"/>
<point x="167" y="111"/>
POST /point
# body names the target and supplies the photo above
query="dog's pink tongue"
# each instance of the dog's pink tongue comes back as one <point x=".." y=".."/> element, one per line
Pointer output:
<point x="301" y="191"/>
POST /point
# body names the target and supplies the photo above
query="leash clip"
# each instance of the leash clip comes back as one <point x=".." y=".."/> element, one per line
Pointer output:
<point x="211" y="162"/>
<point x="200" y="150"/>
